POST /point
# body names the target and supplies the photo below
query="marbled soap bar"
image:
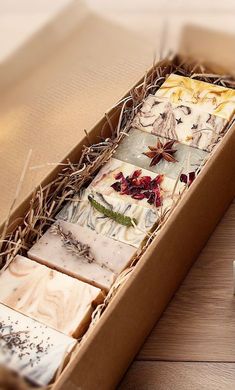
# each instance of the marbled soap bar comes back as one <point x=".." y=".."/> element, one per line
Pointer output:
<point x="177" y="121"/>
<point x="83" y="213"/>
<point x="101" y="258"/>
<point x="106" y="182"/>
<point x="210" y="98"/>
<point x="57" y="300"/>
<point x="136" y="143"/>
<point x="31" y="348"/>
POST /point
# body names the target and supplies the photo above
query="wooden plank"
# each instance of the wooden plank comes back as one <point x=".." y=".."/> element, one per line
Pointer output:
<point x="199" y="323"/>
<point x="179" y="376"/>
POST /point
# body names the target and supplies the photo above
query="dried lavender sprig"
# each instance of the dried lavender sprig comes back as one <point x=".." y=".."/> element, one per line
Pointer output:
<point x="72" y="244"/>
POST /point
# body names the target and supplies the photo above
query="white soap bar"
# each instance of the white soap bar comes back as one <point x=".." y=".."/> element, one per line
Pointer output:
<point x="31" y="348"/>
<point x="55" y="299"/>
<point x="162" y="194"/>
<point x="106" y="258"/>
<point x="137" y="142"/>
<point x="83" y="213"/>
<point x="179" y="122"/>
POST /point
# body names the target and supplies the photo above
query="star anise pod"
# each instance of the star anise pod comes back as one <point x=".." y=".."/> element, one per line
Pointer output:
<point x="161" y="151"/>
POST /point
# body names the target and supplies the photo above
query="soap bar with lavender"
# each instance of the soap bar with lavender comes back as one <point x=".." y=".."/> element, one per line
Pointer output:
<point x="57" y="300"/>
<point x="133" y="185"/>
<point x="210" y="98"/>
<point x="31" y="348"/>
<point x="136" y="143"/>
<point x="180" y="122"/>
<point x="93" y="211"/>
<point x="81" y="252"/>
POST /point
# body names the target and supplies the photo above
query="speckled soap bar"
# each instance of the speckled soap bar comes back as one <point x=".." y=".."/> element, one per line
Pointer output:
<point x="83" y="213"/>
<point x="99" y="260"/>
<point x="185" y="158"/>
<point x="180" y="122"/>
<point x="31" y="348"/>
<point x="57" y="300"/>
<point x="210" y="98"/>
<point x="115" y="180"/>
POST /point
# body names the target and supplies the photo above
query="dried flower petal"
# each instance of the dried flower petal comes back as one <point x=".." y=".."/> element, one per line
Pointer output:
<point x="139" y="187"/>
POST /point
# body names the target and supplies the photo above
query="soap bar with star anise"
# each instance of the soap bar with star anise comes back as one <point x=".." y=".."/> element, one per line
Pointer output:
<point x="178" y="121"/>
<point x="134" y="185"/>
<point x="111" y="217"/>
<point x="160" y="155"/>
<point x="83" y="253"/>
<point x="31" y="348"/>
<point x="57" y="300"/>
<point x="210" y="98"/>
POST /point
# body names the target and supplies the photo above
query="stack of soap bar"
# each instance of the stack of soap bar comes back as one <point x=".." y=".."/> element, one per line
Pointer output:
<point x="105" y="180"/>
<point x="82" y="212"/>
<point x="31" y="348"/>
<point x="210" y="98"/>
<point x="57" y="300"/>
<point x="137" y="142"/>
<point x="177" y="121"/>
<point x="99" y="260"/>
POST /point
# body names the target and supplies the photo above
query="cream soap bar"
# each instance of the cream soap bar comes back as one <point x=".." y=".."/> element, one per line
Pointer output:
<point x="81" y="252"/>
<point x="57" y="300"/>
<point x="210" y="98"/>
<point x="133" y="185"/>
<point x="31" y="348"/>
<point x="82" y="212"/>
<point x="179" y="122"/>
<point x="185" y="160"/>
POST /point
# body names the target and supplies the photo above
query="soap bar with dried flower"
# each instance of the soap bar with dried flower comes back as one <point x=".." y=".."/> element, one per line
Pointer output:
<point x="210" y="98"/>
<point x="57" y="300"/>
<point x="164" y="158"/>
<point x="81" y="252"/>
<point x="31" y="348"/>
<point x="134" y="185"/>
<point x="108" y="215"/>
<point x="180" y="122"/>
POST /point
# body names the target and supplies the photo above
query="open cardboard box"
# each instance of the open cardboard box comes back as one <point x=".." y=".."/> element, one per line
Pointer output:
<point x="103" y="357"/>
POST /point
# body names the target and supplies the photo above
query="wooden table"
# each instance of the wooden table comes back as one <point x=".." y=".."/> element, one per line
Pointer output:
<point x="193" y="344"/>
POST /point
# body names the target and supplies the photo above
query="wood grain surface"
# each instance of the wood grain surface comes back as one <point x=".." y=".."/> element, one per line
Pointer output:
<point x="193" y="344"/>
<point x="180" y="376"/>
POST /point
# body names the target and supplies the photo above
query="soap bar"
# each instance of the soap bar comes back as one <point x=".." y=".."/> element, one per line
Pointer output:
<point x="81" y="252"/>
<point x="31" y="348"/>
<point x="82" y="212"/>
<point x="57" y="300"/>
<point x="210" y="98"/>
<point x="177" y="121"/>
<point x="131" y="184"/>
<point x="136" y="143"/>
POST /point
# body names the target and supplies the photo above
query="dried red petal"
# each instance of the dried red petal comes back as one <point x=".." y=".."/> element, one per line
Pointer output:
<point x="140" y="187"/>
<point x="118" y="176"/>
<point x="116" y="186"/>
<point x="188" y="179"/>
<point x="138" y="196"/>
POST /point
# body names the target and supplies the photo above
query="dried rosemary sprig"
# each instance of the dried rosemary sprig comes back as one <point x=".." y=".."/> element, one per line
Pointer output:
<point x="117" y="217"/>
<point x="72" y="244"/>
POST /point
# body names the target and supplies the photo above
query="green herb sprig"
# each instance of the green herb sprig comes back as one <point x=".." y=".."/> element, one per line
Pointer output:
<point x="117" y="217"/>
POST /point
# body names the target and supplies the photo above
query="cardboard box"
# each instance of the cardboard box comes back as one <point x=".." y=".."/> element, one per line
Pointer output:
<point x="103" y="357"/>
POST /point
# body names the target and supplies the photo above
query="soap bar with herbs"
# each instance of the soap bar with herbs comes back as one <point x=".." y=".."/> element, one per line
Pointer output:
<point x="179" y="122"/>
<point x="81" y="252"/>
<point x="159" y="154"/>
<point x="122" y="221"/>
<point x="210" y="98"/>
<point x="134" y="185"/>
<point x="57" y="300"/>
<point x="31" y="348"/>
